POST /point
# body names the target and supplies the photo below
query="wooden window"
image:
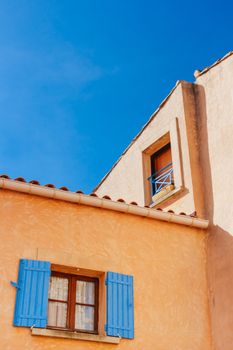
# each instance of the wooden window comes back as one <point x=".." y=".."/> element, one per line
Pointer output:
<point x="73" y="302"/>
<point x="161" y="159"/>
<point x="161" y="166"/>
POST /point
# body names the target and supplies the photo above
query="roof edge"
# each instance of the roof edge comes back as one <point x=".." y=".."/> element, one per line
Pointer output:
<point x="198" y="73"/>
<point x="140" y="132"/>
<point x="78" y="198"/>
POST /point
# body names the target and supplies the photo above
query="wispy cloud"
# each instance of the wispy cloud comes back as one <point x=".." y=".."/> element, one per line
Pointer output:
<point x="59" y="66"/>
<point x="40" y="92"/>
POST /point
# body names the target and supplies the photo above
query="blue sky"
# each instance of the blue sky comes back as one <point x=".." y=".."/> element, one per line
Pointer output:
<point x="78" y="79"/>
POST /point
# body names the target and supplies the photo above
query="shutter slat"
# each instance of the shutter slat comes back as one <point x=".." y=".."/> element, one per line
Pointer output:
<point x="130" y="296"/>
<point x="120" y="311"/>
<point x="40" y="296"/>
<point x="125" y="313"/>
<point x="111" y="307"/>
<point x="120" y="302"/>
<point x="115" y="306"/>
<point x="32" y="293"/>
<point x="45" y="289"/>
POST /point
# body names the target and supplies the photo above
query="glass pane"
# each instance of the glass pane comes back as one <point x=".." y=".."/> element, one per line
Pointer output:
<point x="57" y="314"/>
<point x="85" y="292"/>
<point x="84" y="317"/>
<point x="58" y="288"/>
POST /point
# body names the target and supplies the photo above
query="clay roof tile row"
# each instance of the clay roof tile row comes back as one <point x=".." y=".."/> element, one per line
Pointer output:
<point x="64" y="188"/>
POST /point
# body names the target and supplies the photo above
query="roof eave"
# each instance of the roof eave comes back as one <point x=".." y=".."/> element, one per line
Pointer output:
<point x="95" y="201"/>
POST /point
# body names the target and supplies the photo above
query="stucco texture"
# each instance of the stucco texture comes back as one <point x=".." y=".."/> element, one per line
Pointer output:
<point x="215" y="96"/>
<point x="204" y="112"/>
<point x="167" y="262"/>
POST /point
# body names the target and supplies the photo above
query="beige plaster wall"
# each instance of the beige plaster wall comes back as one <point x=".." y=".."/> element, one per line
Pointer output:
<point x="215" y="96"/>
<point x="167" y="260"/>
<point x="216" y="132"/>
<point x="127" y="178"/>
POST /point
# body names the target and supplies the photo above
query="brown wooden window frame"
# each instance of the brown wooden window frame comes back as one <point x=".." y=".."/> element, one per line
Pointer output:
<point x="71" y="301"/>
<point x="154" y="170"/>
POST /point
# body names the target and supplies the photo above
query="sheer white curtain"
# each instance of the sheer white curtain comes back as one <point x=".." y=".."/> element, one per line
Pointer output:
<point x="57" y="311"/>
<point x="84" y="315"/>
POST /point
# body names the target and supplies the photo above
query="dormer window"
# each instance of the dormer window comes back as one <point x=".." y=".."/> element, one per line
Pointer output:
<point x="161" y="179"/>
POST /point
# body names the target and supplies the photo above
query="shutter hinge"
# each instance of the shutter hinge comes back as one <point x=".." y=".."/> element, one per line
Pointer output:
<point x="106" y="282"/>
<point x="106" y="328"/>
<point x="14" y="284"/>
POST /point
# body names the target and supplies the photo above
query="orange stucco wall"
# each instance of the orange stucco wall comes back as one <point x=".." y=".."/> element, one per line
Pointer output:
<point x="167" y="261"/>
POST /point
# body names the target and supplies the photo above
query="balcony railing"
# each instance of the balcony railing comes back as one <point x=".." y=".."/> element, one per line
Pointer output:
<point x="161" y="179"/>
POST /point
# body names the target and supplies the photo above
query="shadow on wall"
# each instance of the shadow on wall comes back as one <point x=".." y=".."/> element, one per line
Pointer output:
<point x="219" y="244"/>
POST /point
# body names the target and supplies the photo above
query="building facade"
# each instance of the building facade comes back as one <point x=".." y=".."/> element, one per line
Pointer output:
<point x="145" y="262"/>
<point x="81" y="272"/>
<point x="195" y="122"/>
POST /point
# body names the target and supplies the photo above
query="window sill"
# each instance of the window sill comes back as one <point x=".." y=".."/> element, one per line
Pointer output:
<point x="74" y="335"/>
<point x="166" y="196"/>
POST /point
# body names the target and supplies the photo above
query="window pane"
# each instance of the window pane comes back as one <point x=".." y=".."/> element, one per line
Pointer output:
<point x="85" y="292"/>
<point x="84" y="318"/>
<point x="58" y="288"/>
<point x="57" y="314"/>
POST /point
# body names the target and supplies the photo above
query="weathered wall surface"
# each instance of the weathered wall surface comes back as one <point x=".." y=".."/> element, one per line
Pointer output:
<point x="215" y="102"/>
<point x="216" y="130"/>
<point x="204" y="111"/>
<point x="127" y="177"/>
<point x="167" y="261"/>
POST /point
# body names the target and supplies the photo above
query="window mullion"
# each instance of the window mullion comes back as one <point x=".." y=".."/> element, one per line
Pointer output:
<point x="69" y="304"/>
<point x="72" y="302"/>
<point x="96" y="307"/>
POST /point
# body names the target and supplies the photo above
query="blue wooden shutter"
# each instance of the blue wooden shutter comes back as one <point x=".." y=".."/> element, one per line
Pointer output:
<point x="32" y="293"/>
<point x="120" y="308"/>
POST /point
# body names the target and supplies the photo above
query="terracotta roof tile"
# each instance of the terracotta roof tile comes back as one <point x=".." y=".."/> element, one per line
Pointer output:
<point x="64" y="188"/>
<point x="50" y="185"/>
<point x="5" y="176"/>
<point x="107" y="197"/>
<point x="34" y="182"/>
<point x="21" y="179"/>
<point x="121" y="200"/>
